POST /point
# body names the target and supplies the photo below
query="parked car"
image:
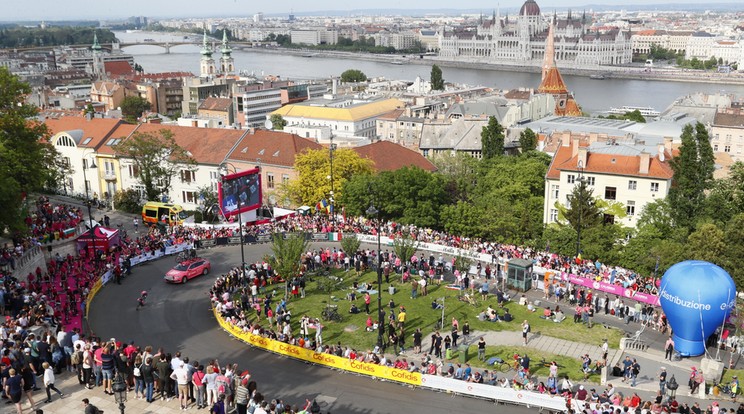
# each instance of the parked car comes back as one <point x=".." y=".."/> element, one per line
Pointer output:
<point x="188" y="269"/>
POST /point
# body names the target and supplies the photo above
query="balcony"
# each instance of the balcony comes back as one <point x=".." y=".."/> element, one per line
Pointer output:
<point x="109" y="175"/>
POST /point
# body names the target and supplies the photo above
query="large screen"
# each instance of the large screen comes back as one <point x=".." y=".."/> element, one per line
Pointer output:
<point x="240" y="192"/>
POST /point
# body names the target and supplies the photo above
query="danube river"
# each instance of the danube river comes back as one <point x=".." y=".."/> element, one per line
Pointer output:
<point x="592" y="95"/>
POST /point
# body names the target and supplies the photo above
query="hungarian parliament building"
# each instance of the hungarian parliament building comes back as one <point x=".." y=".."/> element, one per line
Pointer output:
<point x="521" y="40"/>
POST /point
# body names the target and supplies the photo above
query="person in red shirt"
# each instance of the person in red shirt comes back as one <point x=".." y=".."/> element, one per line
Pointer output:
<point x="635" y="400"/>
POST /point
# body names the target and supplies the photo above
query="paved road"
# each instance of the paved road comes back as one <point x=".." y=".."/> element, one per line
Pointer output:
<point x="178" y="317"/>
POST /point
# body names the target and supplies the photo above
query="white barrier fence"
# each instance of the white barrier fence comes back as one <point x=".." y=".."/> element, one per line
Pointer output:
<point x="496" y="393"/>
<point x="146" y="257"/>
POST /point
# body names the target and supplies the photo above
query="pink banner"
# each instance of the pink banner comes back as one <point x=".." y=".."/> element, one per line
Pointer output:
<point x="615" y="290"/>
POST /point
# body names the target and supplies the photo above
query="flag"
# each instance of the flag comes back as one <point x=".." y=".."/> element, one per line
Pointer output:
<point x="323" y="204"/>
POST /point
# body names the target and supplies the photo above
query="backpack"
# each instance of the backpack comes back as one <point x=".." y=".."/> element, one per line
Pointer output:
<point x="222" y="384"/>
<point x="77" y="357"/>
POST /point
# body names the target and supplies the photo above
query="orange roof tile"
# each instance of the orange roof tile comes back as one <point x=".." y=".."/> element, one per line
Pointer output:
<point x="118" y="68"/>
<point x="611" y="164"/>
<point x="122" y="131"/>
<point x="206" y="145"/>
<point x="271" y="147"/>
<point x="389" y="156"/>
<point x="553" y="82"/>
<point x="97" y="128"/>
<point x="216" y="104"/>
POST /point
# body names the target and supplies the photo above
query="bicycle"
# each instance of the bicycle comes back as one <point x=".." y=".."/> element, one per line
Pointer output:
<point x="330" y="313"/>
<point x="502" y="365"/>
<point x="546" y="364"/>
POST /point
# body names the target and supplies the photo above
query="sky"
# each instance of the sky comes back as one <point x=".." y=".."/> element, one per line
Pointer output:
<point x="51" y="10"/>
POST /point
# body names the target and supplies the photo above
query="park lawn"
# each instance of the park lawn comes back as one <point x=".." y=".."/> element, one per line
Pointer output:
<point x="351" y="330"/>
<point x="567" y="366"/>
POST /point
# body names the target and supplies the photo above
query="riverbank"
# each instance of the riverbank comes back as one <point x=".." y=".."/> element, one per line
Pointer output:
<point x="607" y="72"/>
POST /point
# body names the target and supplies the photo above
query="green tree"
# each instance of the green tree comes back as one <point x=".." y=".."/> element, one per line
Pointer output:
<point x="313" y="169"/>
<point x="208" y="199"/>
<point x="528" y="140"/>
<point x="492" y="139"/>
<point x="583" y="211"/>
<point x="28" y="162"/>
<point x="707" y="243"/>
<point x="734" y="237"/>
<point x="460" y="172"/>
<point x="405" y="247"/>
<point x="635" y="116"/>
<point x="693" y="174"/>
<point x="286" y="255"/>
<point x="133" y="106"/>
<point x="353" y="76"/>
<point x="436" y="79"/>
<point x="277" y="122"/>
<point x="726" y="197"/>
<point x="350" y="243"/>
<point x="128" y="201"/>
<point x="89" y="110"/>
<point x="157" y="159"/>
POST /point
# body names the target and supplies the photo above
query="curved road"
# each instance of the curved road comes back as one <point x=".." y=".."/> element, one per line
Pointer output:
<point x="178" y="317"/>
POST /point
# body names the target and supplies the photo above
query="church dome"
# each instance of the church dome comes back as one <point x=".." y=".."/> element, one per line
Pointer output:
<point x="529" y="8"/>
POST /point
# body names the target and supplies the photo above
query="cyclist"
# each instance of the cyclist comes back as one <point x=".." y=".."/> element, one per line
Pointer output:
<point x="141" y="299"/>
<point x="734" y="387"/>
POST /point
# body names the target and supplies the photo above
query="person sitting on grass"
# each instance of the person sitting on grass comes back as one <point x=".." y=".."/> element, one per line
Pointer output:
<point x="558" y="317"/>
<point x="507" y="316"/>
<point x="354" y="309"/>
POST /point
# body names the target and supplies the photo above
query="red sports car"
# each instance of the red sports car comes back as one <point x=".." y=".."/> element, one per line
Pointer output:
<point x="188" y="269"/>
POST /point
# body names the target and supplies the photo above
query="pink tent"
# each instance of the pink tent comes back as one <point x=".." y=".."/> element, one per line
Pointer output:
<point x="103" y="238"/>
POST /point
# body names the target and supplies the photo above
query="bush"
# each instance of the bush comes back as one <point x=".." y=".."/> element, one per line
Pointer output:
<point x="128" y="201"/>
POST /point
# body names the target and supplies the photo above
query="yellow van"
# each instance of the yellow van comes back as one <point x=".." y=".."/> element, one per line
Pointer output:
<point x="154" y="212"/>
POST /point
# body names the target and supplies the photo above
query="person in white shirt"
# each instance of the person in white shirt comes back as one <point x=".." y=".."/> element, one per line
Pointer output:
<point x="181" y="376"/>
<point x="49" y="382"/>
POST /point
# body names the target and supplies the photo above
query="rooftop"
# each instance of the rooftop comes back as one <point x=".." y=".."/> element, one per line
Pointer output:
<point x="335" y="110"/>
<point x="389" y="156"/>
<point x="271" y="147"/>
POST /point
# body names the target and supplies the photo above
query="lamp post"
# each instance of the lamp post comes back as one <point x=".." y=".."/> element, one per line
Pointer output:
<point x="580" y="179"/>
<point x="120" y="391"/>
<point x="88" y="203"/>
<point x="225" y="165"/>
<point x="332" y="148"/>
<point x="372" y="211"/>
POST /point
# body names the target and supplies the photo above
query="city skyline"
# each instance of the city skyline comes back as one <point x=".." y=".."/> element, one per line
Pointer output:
<point x="80" y="9"/>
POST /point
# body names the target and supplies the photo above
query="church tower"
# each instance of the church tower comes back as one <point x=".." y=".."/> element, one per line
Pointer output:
<point x="227" y="63"/>
<point x="99" y="70"/>
<point x="552" y="81"/>
<point x="207" y="67"/>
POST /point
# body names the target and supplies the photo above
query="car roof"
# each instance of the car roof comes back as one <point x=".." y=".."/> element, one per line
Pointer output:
<point x="192" y="261"/>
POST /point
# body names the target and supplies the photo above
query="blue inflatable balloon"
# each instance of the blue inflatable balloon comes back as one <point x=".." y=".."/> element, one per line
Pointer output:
<point x="697" y="297"/>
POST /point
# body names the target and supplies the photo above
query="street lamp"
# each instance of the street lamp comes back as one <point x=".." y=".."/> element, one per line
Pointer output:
<point x="372" y="211"/>
<point x="332" y="148"/>
<point x="120" y="391"/>
<point x="581" y="181"/>
<point x="224" y="166"/>
<point x="87" y="166"/>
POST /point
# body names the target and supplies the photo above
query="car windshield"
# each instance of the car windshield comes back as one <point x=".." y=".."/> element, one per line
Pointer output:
<point x="181" y="266"/>
<point x="182" y="215"/>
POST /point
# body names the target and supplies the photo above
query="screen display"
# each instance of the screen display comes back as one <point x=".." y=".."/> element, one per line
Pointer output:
<point x="240" y="192"/>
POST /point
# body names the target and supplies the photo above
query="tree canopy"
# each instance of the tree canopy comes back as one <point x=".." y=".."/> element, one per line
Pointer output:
<point x="314" y="171"/>
<point x="157" y="158"/>
<point x="436" y="79"/>
<point x="133" y="106"/>
<point x="528" y="140"/>
<point x="353" y="75"/>
<point x="285" y="256"/>
<point x="277" y="122"/>
<point x="492" y="139"/>
<point x="693" y="175"/>
<point x="27" y="162"/>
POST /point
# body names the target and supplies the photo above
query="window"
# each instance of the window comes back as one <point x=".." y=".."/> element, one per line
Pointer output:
<point x="269" y="180"/>
<point x="610" y="193"/>
<point x="632" y="184"/>
<point x="655" y="187"/>
<point x="188" y="176"/>
<point x="553" y="215"/>
<point x="285" y="179"/>
<point x="555" y="191"/>
<point x="133" y="171"/>
<point x="630" y="208"/>
<point x="727" y="148"/>
<point x="571" y="178"/>
<point x="590" y="180"/>
<point x="715" y="147"/>
<point x="189" y="196"/>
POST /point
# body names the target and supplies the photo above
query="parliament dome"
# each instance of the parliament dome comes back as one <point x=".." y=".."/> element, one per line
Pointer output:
<point x="529" y="8"/>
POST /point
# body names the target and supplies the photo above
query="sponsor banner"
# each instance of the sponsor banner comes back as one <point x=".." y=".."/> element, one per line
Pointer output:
<point x="106" y="277"/>
<point x="614" y="289"/>
<point x="263" y="238"/>
<point x="208" y="243"/>
<point x="388" y="373"/>
<point x="532" y="399"/>
<point x="233" y="240"/>
<point x="93" y="292"/>
<point x="319" y="237"/>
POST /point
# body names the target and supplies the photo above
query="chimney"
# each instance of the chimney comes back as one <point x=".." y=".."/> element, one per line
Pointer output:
<point x="668" y="143"/>
<point x="645" y="161"/>
<point x="565" y="139"/>
<point x="574" y="147"/>
<point x="583" y="151"/>
<point x="592" y="137"/>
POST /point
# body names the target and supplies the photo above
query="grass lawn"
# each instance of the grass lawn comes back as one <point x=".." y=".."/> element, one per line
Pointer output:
<point x="351" y="330"/>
